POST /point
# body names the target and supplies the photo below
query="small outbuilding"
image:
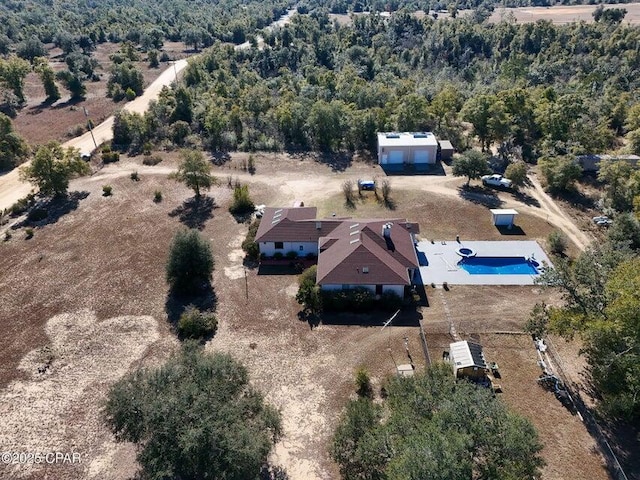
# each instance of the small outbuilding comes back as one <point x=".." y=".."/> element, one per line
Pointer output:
<point x="467" y="360"/>
<point x="503" y="217"/>
<point x="407" y="148"/>
<point x="446" y="150"/>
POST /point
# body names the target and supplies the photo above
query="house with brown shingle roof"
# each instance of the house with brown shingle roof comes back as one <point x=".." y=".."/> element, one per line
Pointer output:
<point x="376" y="254"/>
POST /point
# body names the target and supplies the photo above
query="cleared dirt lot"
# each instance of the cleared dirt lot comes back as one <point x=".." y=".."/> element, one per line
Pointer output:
<point x="561" y="14"/>
<point x="85" y="300"/>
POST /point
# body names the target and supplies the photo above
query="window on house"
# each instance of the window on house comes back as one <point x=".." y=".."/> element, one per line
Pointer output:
<point x="279" y="245"/>
<point x="301" y="248"/>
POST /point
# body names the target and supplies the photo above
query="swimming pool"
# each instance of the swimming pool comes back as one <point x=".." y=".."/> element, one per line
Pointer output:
<point x="498" y="266"/>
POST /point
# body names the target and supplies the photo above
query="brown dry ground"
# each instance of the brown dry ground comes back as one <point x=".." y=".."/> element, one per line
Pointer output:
<point x="557" y="14"/>
<point x="86" y="296"/>
<point x="39" y="123"/>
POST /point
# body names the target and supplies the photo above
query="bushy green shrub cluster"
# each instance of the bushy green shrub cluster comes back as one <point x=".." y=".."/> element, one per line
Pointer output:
<point x="358" y="300"/>
<point x="197" y="325"/>
<point x="109" y="156"/>
<point x="249" y="245"/>
<point x="242" y="203"/>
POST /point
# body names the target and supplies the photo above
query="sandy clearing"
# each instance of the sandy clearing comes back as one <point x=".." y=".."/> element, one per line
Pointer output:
<point x="291" y="386"/>
<point x="44" y="411"/>
<point x="312" y="189"/>
<point x="560" y="14"/>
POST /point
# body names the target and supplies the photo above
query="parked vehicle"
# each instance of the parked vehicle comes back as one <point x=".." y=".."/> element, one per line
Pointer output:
<point x="496" y="180"/>
<point x="367" y="184"/>
<point x="602" y="220"/>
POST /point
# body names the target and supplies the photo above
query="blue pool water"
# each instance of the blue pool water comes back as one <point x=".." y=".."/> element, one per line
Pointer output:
<point x="498" y="266"/>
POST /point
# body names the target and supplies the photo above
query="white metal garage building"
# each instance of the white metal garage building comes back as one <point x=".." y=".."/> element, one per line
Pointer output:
<point x="407" y="148"/>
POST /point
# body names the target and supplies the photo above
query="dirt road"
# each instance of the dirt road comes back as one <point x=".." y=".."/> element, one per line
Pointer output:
<point x="312" y="189"/>
<point x="12" y="189"/>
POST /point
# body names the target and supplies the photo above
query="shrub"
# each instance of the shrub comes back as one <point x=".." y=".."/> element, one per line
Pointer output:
<point x="151" y="160"/>
<point x="557" y="242"/>
<point x="242" y="203"/>
<point x="359" y="300"/>
<point x="363" y="383"/>
<point x="106" y="190"/>
<point x="347" y="190"/>
<point x="37" y="214"/>
<point x="251" y="165"/>
<point x="385" y="189"/>
<point x="197" y="325"/>
<point x="308" y="292"/>
<point x="278" y="256"/>
<point x="110" y="157"/>
<point x="135" y="177"/>
<point x="292" y="255"/>
<point x="130" y="94"/>
<point x="29" y="233"/>
<point x="249" y="245"/>
<point x="19" y="207"/>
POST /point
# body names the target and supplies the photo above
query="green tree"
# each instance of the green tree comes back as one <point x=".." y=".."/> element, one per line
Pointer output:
<point x="48" y="78"/>
<point x="12" y="74"/>
<point x="471" y="164"/>
<point x="190" y="262"/>
<point x="195" y="172"/>
<point x="326" y="123"/>
<point x="560" y="173"/>
<point x="73" y="82"/>
<point x="431" y="426"/>
<point x="195" y="417"/>
<point x="517" y="173"/>
<point x="620" y="188"/>
<point x="489" y="118"/>
<point x="52" y="168"/>
<point x="31" y="49"/>
<point x="13" y="149"/>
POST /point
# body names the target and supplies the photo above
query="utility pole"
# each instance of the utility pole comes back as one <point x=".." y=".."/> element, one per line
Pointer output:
<point x="90" y="125"/>
<point x="175" y="71"/>
<point x="246" y="283"/>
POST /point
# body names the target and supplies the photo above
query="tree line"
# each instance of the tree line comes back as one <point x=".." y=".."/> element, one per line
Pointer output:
<point x="533" y="89"/>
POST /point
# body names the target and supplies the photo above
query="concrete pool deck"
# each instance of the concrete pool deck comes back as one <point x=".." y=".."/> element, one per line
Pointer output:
<point x="439" y="261"/>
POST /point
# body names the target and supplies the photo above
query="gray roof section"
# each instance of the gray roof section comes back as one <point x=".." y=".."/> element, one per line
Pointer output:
<point x="467" y="354"/>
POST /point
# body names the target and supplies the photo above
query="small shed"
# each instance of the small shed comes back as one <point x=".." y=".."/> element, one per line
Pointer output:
<point x="467" y="360"/>
<point x="446" y="150"/>
<point x="502" y="217"/>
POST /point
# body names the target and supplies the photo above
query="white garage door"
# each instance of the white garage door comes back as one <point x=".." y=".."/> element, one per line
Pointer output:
<point x="396" y="156"/>
<point x="421" y="156"/>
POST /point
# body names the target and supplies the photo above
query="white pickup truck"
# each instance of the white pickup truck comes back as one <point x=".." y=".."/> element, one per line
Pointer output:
<point x="496" y="180"/>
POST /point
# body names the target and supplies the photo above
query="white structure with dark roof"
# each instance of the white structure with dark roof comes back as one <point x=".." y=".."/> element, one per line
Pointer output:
<point x="467" y="360"/>
<point x="398" y="148"/>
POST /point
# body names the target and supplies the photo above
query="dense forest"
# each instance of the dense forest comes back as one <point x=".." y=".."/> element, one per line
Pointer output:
<point x="532" y="89"/>
<point x="116" y="20"/>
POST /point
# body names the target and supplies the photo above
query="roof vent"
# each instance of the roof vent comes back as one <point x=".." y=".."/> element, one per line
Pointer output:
<point x="318" y="225"/>
<point x="393" y="135"/>
<point x="421" y="135"/>
<point x="365" y="269"/>
<point x="386" y="230"/>
<point x="355" y="240"/>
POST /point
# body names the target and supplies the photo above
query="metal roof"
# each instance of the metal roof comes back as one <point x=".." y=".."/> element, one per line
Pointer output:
<point x="503" y="211"/>
<point x="406" y="139"/>
<point x="466" y="354"/>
